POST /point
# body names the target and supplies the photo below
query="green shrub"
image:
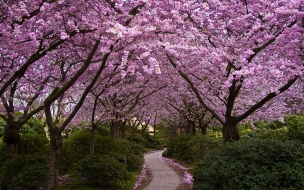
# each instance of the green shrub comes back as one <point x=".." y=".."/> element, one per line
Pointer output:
<point x="273" y="125"/>
<point x="25" y="171"/>
<point x="178" y="147"/>
<point x="295" y="126"/>
<point x="134" y="162"/>
<point x="200" y="145"/>
<point x="33" y="144"/>
<point x="165" y="154"/>
<point x="103" y="130"/>
<point x="152" y="142"/>
<point x="33" y="126"/>
<point x="2" y="152"/>
<point x="77" y="146"/>
<point x="125" y="147"/>
<point x="2" y="127"/>
<point x="253" y="164"/>
<point x="280" y="134"/>
<point x="103" y="171"/>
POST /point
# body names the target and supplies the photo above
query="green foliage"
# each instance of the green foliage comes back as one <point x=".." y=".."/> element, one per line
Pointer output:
<point x="33" y="144"/>
<point x="134" y="162"/>
<point x="200" y="145"/>
<point x="103" y="171"/>
<point x="295" y="126"/>
<point x="125" y="147"/>
<point x="77" y="146"/>
<point x="103" y="130"/>
<point x="152" y="142"/>
<point x="76" y="185"/>
<point x="178" y="146"/>
<point x="29" y="169"/>
<point x="278" y="134"/>
<point x="2" y="127"/>
<point x="191" y="148"/>
<point x="269" y="124"/>
<point x="253" y="164"/>
<point x="33" y="126"/>
<point x="26" y="171"/>
<point x="2" y="152"/>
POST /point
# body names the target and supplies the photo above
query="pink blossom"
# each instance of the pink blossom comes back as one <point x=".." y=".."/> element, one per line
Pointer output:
<point x="64" y="35"/>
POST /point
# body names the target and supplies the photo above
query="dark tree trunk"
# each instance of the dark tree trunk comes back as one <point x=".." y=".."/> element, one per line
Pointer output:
<point x="11" y="138"/>
<point x="143" y="132"/>
<point x="193" y="129"/>
<point x="54" y="155"/>
<point x="132" y="132"/>
<point x="230" y="132"/>
<point x="92" y="141"/>
<point x="11" y="150"/>
<point x="112" y="130"/>
<point x="187" y="129"/>
<point x="204" y="130"/>
<point x="122" y="131"/>
<point x="154" y="130"/>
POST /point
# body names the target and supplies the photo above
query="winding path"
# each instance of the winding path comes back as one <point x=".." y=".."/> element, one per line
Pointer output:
<point x="164" y="178"/>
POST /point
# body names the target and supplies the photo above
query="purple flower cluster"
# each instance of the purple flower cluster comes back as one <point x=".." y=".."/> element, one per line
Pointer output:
<point x="141" y="176"/>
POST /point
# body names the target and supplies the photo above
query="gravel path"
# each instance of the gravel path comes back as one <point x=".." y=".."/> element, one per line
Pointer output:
<point x="164" y="178"/>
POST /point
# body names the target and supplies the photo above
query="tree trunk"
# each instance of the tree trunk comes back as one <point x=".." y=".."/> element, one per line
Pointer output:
<point x="143" y="133"/>
<point x="154" y="130"/>
<point x="187" y="129"/>
<point x="204" y="130"/>
<point x="11" y="150"/>
<point x="132" y="131"/>
<point x="92" y="141"/>
<point x="181" y="130"/>
<point x="193" y="129"/>
<point x="230" y="132"/>
<point x="54" y="155"/>
<point x="122" y="131"/>
<point x="11" y="138"/>
<point x="112" y="130"/>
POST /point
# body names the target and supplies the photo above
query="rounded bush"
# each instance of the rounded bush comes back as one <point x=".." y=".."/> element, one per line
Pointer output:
<point x="253" y="164"/>
<point x="33" y="144"/>
<point x="2" y="152"/>
<point x="102" y="171"/>
<point x="25" y="171"/>
<point x="134" y="162"/>
<point x="77" y="146"/>
<point x="165" y="153"/>
<point x="125" y="147"/>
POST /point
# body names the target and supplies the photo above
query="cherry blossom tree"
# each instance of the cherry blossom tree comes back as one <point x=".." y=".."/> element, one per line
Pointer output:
<point x="239" y="57"/>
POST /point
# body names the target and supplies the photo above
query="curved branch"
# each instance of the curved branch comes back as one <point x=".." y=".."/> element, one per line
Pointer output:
<point x="265" y="99"/>
<point x="196" y="91"/>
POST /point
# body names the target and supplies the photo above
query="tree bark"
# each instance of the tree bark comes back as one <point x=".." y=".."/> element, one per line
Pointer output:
<point x="11" y="150"/>
<point x="11" y="138"/>
<point x="112" y="130"/>
<point x="154" y="130"/>
<point x="204" y="130"/>
<point x="122" y="131"/>
<point x="230" y="132"/>
<point x="92" y="141"/>
<point x="193" y="128"/>
<point x="54" y="155"/>
<point x="187" y="129"/>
